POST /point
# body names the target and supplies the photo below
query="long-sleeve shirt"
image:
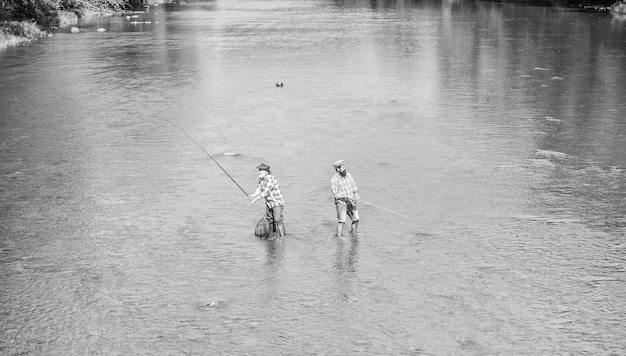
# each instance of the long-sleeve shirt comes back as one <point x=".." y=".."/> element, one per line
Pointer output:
<point x="270" y="190"/>
<point x="343" y="187"/>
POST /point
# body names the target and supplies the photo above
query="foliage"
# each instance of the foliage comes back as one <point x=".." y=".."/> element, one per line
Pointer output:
<point x="619" y="8"/>
<point x="21" y="29"/>
<point x="40" y="11"/>
<point x="13" y="32"/>
<point x="97" y="6"/>
<point x="44" y="12"/>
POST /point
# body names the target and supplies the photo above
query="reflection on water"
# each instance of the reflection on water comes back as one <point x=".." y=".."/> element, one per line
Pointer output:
<point x="497" y="129"/>
<point x="345" y="266"/>
<point x="274" y="274"/>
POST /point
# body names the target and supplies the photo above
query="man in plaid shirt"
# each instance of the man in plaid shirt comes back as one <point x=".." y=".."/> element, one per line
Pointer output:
<point x="345" y="192"/>
<point x="274" y="202"/>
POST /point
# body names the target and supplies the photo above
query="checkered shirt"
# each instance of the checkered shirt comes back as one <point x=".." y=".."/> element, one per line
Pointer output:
<point x="343" y="187"/>
<point x="271" y="192"/>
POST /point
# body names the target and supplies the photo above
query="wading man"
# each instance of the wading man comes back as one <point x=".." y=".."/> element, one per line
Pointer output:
<point x="345" y="192"/>
<point x="274" y="202"/>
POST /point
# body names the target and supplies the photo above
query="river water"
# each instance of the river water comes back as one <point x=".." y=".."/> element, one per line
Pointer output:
<point x="488" y="142"/>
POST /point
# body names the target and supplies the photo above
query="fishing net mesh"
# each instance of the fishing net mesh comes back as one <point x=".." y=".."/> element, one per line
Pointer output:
<point x="263" y="228"/>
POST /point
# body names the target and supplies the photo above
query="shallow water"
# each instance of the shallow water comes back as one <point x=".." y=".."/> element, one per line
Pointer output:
<point x="498" y="131"/>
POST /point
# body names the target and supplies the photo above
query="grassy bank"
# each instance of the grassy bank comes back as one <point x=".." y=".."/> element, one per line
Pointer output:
<point x="14" y="32"/>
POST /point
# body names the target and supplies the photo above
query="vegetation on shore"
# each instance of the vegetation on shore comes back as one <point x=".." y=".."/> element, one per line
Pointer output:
<point x="14" y="32"/>
<point x="45" y="12"/>
<point x="619" y="8"/>
<point x="25" y="20"/>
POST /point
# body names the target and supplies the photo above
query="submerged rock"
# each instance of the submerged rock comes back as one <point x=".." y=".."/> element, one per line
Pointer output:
<point x="218" y="303"/>
<point x="550" y="154"/>
<point x="17" y="174"/>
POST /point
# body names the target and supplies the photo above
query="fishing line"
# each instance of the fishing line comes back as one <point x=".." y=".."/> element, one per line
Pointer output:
<point x="207" y="153"/>
<point x="380" y="207"/>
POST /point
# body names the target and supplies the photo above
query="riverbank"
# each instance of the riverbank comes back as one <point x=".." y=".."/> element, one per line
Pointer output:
<point x="15" y="32"/>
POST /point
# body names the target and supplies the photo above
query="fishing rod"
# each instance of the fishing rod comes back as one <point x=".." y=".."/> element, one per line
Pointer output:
<point x="207" y="153"/>
<point x="380" y="207"/>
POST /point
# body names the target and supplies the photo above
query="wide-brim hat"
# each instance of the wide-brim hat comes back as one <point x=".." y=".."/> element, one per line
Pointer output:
<point x="263" y="167"/>
<point x="339" y="163"/>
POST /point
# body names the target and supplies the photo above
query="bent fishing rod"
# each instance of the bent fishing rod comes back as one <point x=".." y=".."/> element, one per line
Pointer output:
<point x="207" y="153"/>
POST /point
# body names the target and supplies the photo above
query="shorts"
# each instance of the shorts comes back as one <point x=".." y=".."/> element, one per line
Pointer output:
<point x="346" y="209"/>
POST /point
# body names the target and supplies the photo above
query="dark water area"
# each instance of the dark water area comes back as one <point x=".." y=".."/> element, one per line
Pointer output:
<point x="488" y="142"/>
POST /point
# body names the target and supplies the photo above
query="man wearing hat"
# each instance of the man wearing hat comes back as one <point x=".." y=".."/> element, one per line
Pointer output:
<point x="268" y="189"/>
<point x="345" y="192"/>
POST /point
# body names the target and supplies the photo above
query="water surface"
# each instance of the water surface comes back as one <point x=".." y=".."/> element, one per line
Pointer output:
<point x="498" y="130"/>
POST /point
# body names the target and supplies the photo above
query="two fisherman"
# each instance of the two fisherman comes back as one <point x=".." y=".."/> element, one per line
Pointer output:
<point x="343" y="187"/>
